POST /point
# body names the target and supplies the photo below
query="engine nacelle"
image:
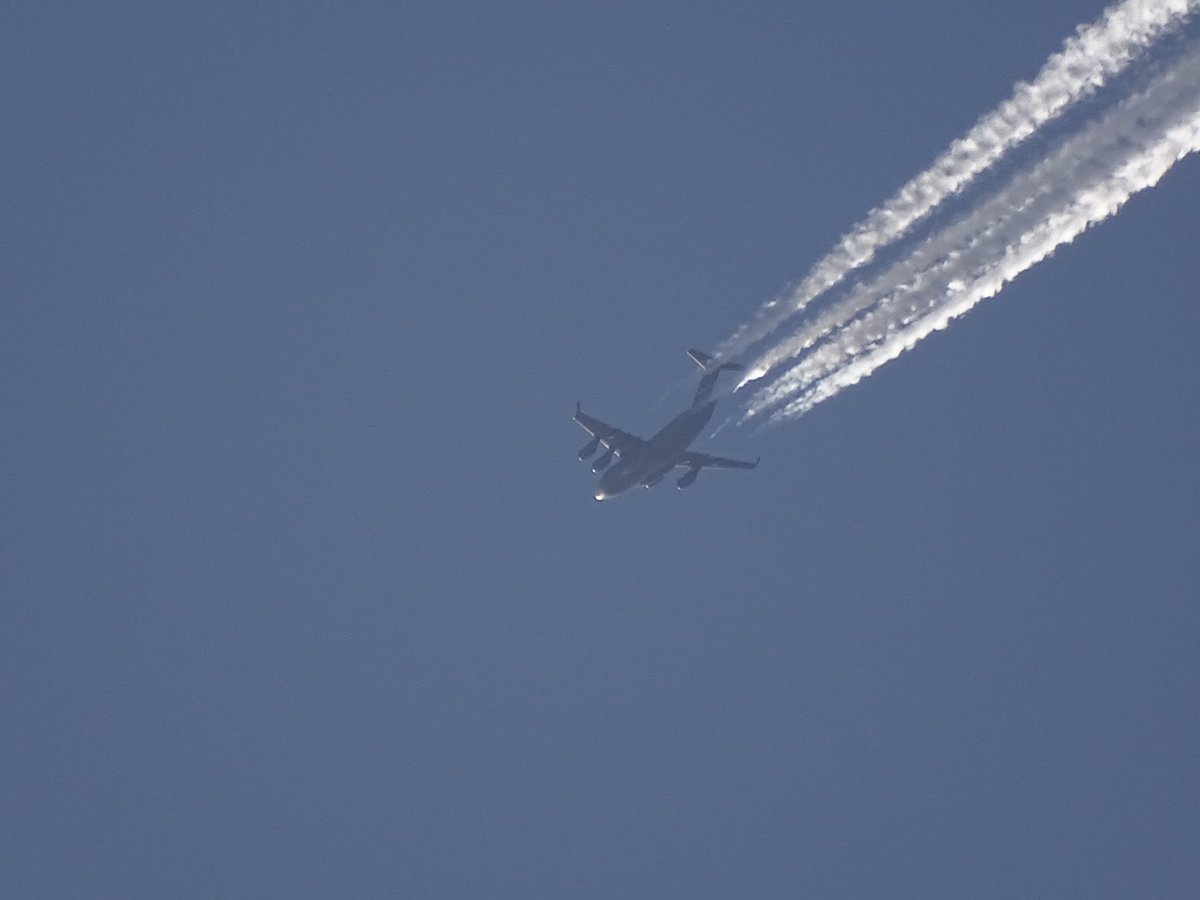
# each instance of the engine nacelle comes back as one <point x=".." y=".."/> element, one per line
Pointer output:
<point x="688" y="479"/>
<point x="602" y="463"/>
<point x="586" y="451"/>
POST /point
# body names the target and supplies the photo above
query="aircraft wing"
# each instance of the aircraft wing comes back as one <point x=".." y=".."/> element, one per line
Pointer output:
<point x="694" y="460"/>
<point x="614" y="439"/>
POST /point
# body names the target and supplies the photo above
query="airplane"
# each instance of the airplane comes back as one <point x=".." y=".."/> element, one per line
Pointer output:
<point x="648" y="462"/>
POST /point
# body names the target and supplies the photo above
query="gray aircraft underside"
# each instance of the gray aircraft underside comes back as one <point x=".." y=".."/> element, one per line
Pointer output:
<point x="647" y="462"/>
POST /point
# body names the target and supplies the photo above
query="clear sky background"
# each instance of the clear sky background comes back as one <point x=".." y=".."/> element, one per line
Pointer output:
<point x="305" y="593"/>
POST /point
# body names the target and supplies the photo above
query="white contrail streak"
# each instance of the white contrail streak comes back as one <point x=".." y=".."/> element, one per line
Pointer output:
<point x="1095" y="54"/>
<point x="940" y="259"/>
<point x="1085" y="181"/>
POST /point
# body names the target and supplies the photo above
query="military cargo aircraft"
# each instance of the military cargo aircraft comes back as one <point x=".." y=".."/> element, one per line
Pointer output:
<point x="648" y="462"/>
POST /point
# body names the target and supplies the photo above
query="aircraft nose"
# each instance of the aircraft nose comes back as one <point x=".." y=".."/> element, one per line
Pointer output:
<point x="600" y="495"/>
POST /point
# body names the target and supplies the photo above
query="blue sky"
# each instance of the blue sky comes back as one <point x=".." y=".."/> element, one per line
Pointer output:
<point x="306" y="592"/>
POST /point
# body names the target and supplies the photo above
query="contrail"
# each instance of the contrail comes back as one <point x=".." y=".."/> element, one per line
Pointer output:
<point x="1086" y="180"/>
<point x="1087" y="61"/>
<point x="1024" y="200"/>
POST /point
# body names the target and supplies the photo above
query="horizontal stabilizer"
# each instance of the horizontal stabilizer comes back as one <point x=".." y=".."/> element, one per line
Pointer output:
<point x="705" y="360"/>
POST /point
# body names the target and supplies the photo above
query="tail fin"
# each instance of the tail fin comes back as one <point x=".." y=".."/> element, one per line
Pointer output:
<point x="708" y="382"/>
<point x="705" y="360"/>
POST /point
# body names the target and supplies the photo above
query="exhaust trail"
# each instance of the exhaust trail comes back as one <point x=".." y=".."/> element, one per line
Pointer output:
<point x="1085" y="181"/>
<point x="1087" y="61"/>
<point x="983" y="231"/>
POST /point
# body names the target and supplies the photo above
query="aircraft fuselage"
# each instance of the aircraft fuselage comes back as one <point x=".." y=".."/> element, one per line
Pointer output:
<point x="649" y="463"/>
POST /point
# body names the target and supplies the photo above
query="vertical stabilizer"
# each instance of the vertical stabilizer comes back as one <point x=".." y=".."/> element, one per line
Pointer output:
<point x="709" y="381"/>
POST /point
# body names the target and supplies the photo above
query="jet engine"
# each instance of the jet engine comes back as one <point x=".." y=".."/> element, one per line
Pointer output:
<point x="688" y="479"/>
<point x="602" y="463"/>
<point x="586" y="451"/>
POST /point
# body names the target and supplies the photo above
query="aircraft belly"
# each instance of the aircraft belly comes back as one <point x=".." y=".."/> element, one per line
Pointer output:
<point x="676" y="437"/>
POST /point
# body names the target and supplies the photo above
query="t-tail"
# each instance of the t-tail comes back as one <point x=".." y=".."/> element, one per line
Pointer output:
<point x="711" y="372"/>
